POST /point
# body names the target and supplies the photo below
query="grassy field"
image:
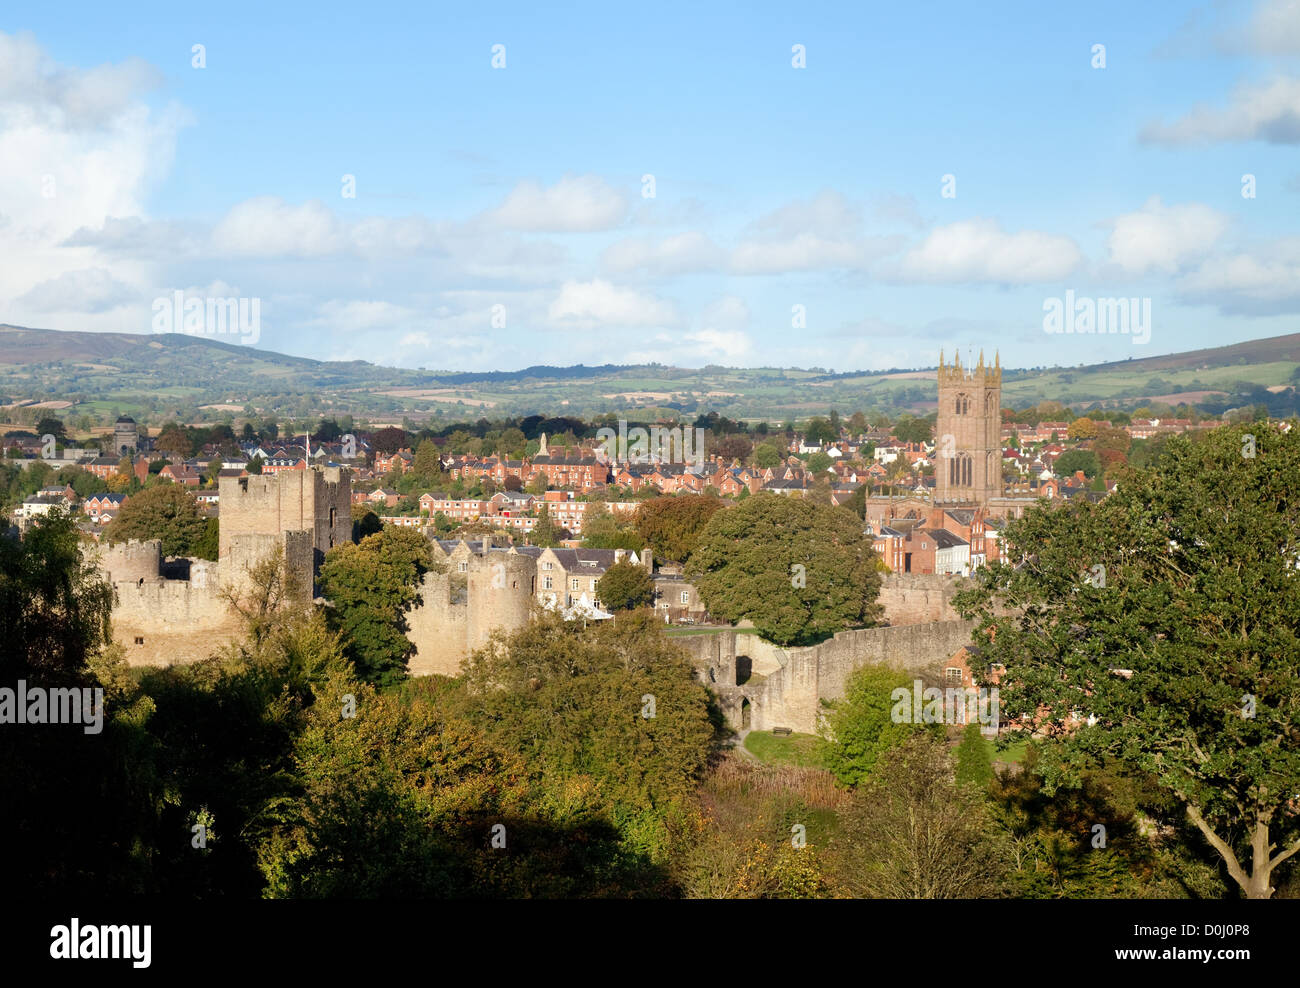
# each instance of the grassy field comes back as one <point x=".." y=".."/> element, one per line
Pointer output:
<point x="802" y="750"/>
<point x="1013" y="755"/>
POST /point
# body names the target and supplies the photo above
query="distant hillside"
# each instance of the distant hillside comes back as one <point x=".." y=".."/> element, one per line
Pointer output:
<point x="200" y="379"/>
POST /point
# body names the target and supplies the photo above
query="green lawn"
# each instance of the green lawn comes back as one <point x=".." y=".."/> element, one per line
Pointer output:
<point x="803" y="750"/>
<point x="1014" y="753"/>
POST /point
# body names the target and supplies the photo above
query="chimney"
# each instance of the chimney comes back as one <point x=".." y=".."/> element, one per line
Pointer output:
<point x="487" y="544"/>
<point x="619" y="555"/>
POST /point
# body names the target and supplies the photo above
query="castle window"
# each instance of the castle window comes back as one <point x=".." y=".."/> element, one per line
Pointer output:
<point x="548" y="583"/>
<point x="573" y="584"/>
<point x="463" y="567"/>
<point x="686" y="596"/>
<point x="139" y="640"/>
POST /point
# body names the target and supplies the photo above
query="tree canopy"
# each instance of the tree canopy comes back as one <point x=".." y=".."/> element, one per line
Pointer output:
<point x="1161" y="628"/>
<point x="167" y="512"/>
<point x="671" y="526"/>
<point x="799" y="571"/>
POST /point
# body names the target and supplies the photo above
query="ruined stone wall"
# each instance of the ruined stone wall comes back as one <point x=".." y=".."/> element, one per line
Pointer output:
<point x="918" y="598"/>
<point x="438" y="627"/>
<point x="460" y="610"/>
<point x="128" y="562"/>
<point x="785" y="687"/>
<point x="500" y="588"/>
<point x="177" y="620"/>
<point x="317" y="501"/>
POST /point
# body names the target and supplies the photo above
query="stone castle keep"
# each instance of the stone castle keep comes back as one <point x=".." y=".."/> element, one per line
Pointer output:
<point x="171" y="611"/>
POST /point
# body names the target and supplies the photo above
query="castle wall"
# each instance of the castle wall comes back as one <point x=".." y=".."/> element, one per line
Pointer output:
<point x="500" y="594"/>
<point x="316" y="501"/>
<point x="918" y="598"/>
<point x="789" y="694"/>
<point x="460" y="610"/>
<point x="438" y="628"/>
<point x="178" y="620"/>
<point x="297" y="517"/>
<point x="128" y="562"/>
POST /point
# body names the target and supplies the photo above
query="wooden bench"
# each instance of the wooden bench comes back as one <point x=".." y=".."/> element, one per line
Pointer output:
<point x="782" y="732"/>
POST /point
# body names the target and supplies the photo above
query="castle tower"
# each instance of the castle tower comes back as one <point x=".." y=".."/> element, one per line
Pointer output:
<point x="968" y="433"/>
<point x="297" y="514"/>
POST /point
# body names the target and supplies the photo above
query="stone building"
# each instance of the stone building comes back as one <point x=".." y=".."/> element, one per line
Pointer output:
<point x="126" y="435"/>
<point x="298" y="514"/>
<point x="968" y="433"/>
<point x="482" y="588"/>
<point x="487" y="587"/>
<point x="170" y="611"/>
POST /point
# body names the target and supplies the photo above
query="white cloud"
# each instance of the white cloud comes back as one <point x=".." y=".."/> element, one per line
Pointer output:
<point x="77" y="146"/>
<point x="1266" y="112"/>
<point x="269" y="226"/>
<point x="1260" y="282"/>
<point x="692" y="349"/>
<point x="87" y="290"/>
<point x="730" y="312"/>
<point x="684" y="253"/>
<point x="979" y="251"/>
<point x="718" y="345"/>
<point x="827" y="215"/>
<point x="1274" y="28"/>
<point x="1163" y="237"/>
<point x="574" y="204"/>
<point x="805" y="252"/>
<point x="597" y="303"/>
<point x="35" y="88"/>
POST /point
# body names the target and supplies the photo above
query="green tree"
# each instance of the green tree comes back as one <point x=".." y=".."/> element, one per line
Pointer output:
<point x="1077" y="459"/>
<point x="974" y="763"/>
<point x="818" y="462"/>
<point x="570" y="700"/>
<point x="426" y="466"/>
<point x="766" y="456"/>
<point x="601" y="530"/>
<point x="207" y="545"/>
<point x="371" y="586"/>
<point x="167" y="512"/>
<point x="861" y="726"/>
<point x="819" y="431"/>
<point x="624" y="587"/>
<point x="799" y="571"/>
<point x="1169" y="613"/>
<point x="672" y="526"/>
<point x="546" y="533"/>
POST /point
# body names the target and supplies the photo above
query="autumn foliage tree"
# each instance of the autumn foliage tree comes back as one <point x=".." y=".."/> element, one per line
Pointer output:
<point x="1167" y="617"/>
<point x="671" y="526"/>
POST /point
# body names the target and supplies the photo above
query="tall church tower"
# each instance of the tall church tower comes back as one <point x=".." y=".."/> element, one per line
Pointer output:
<point x="968" y="433"/>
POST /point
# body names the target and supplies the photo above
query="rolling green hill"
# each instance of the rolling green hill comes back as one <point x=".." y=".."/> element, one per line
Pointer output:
<point x="154" y="376"/>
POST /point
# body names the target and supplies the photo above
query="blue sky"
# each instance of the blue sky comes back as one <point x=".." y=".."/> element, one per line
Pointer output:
<point x="500" y="216"/>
